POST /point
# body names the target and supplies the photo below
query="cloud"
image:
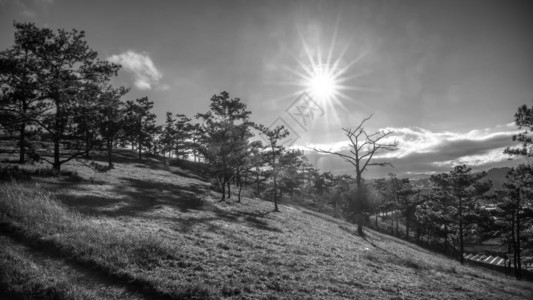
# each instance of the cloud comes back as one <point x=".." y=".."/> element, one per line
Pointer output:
<point x="145" y="74"/>
<point x="422" y="151"/>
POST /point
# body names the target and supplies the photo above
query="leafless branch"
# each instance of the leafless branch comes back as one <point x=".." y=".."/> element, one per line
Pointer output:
<point x="363" y="146"/>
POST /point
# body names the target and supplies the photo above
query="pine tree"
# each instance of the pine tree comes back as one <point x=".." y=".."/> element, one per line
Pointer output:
<point x="226" y="130"/>
<point x="463" y="189"/>
<point x="140" y="124"/>
<point x="273" y="154"/>
<point x="68" y="70"/>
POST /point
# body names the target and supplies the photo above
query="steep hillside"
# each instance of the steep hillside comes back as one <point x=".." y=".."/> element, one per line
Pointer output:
<point x="148" y="230"/>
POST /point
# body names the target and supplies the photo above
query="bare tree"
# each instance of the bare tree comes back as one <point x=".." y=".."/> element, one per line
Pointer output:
<point x="363" y="146"/>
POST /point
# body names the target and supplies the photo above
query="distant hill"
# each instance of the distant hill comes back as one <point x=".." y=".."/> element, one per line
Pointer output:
<point x="496" y="175"/>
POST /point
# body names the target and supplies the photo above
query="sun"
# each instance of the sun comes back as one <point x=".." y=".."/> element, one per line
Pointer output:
<point x="327" y="76"/>
<point x="322" y="84"/>
<point x="328" y="73"/>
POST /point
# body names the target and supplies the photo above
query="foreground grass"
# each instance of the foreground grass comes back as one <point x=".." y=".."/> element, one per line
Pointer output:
<point x="24" y="279"/>
<point x="141" y="227"/>
<point x="119" y="253"/>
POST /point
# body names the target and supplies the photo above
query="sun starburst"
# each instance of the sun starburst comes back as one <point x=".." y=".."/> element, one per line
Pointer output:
<point x="327" y="78"/>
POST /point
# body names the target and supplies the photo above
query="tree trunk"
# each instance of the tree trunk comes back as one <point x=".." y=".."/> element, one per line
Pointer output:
<point x="397" y="231"/>
<point x="336" y="213"/>
<point x="56" y="138"/>
<point x="222" y="182"/>
<point x="22" y="142"/>
<point x="239" y="185"/>
<point x="228" y="182"/>
<point x="392" y="222"/>
<point x="518" y="272"/>
<point x="275" y="194"/>
<point x="274" y="179"/>
<point x="407" y="224"/>
<point x="257" y="181"/>
<point x="461" y="238"/>
<point x="57" y="163"/>
<point x="359" y="202"/>
<point x="360" y="220"/>
<point x="87" y="145"/>
<point x="110" y="154"/>
<point x="513" y="243"/>
<point x="139" y="146"/>
<point x="445" y="238"/>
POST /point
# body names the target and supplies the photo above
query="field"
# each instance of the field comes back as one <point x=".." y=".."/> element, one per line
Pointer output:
<point x="146" y="230"/>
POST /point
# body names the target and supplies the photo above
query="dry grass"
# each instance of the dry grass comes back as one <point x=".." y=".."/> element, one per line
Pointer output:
<point x="159" y="229"/>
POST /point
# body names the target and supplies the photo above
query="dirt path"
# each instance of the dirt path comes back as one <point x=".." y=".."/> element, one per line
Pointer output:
<point x="99" y="285"/>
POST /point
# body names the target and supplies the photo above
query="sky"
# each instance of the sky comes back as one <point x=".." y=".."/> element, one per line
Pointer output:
<point x="445" y="76"/>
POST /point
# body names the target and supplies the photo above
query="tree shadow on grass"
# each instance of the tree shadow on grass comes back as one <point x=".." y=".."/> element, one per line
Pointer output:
<point x="255" y="220"/>
<point x="155" y="164"/>
<point x="136" y="197"/>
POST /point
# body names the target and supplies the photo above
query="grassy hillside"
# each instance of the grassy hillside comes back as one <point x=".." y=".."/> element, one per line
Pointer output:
<point x="147" y="230"/>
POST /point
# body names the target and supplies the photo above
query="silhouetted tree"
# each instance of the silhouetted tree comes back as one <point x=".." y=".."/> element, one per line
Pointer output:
<point x="20" y="98"/>
<point x="363" y="146"/>
<point x="67" y="68"/>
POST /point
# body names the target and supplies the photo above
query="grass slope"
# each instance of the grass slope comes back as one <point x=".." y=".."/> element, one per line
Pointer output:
<point x="148" y="230"/>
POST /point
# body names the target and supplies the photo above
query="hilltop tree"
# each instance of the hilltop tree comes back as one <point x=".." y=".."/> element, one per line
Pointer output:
<point x="111" y="118"/>
<point x="176" y="136"/>
<point x="85" y="121"/>
<point x="20" y="99"/>
<point x="67" y="68"/>
<point x="258" y="159"/>
<point x="183" y="133"/>
<point x="243" y="163"/>
<point x="463" y="190"/>
<point x="291" y="178"/>
<point x="227" y="132"/>
<point x="273" y="155"/>
<point x="167" y="138"/>
<point x="363" y="146"/>
<point x="139" y="123"/>
<point x="197" y="135"/>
